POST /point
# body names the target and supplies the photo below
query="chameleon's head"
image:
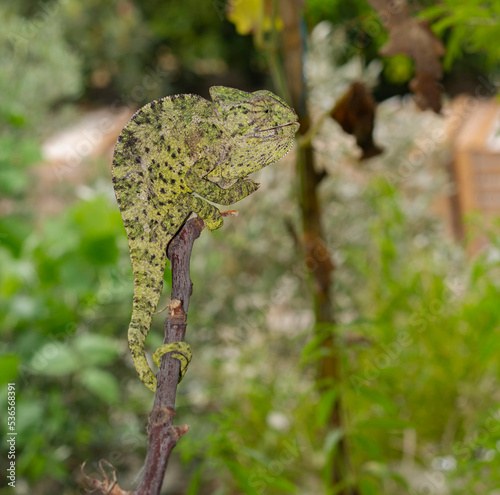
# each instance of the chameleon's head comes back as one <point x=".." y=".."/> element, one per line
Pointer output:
<point x="261" y="126"/>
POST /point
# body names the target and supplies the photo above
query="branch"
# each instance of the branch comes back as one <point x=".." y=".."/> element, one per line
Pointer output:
<point x="163" y="435"/>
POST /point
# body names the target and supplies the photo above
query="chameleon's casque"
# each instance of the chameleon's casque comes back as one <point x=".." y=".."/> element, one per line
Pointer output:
<point x="177" y="146"/>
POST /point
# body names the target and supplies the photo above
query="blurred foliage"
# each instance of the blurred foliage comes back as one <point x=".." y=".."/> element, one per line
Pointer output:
<point x="134" y="52"/>
<point x="34" y="75"/>
<point x="471" y="27"/>
<point x="418" y="317"/>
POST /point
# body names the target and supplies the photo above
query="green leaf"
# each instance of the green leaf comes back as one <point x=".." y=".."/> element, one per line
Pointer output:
<point x="54" y="359"/>
<point x="195" y="482"/>
<point x="385" y="423"/>
<point x="443" y="24"/>
<point x="86" y="213"/>
<point x="433" y="12"/>
<point x="367" y="444"/>
<point x="368" y="487"/>
<point x="8" y="368"/>
<point x="398" y="68"/>
<point x="102" y="384"/>
<point x="100" y="250"/>
<point x="281" y="483"/>
<point x="96" y="349"/>
<point x="242" y="477"/>
<point x="332" y="439"/>
<point x="30" y="415"/>
<point x="325" y="406"/>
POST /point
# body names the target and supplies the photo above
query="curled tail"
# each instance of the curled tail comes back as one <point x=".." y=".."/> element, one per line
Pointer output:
<point x="148" y="284"/>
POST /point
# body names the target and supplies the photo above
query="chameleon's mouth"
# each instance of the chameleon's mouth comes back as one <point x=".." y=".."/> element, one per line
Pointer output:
<point x="283" y="130"/>
<point x="288" y="124"/>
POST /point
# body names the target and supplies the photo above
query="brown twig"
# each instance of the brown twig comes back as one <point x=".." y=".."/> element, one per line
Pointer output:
<point x="163" y="435"/>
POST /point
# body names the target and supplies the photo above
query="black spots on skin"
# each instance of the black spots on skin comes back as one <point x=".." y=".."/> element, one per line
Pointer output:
<point x="146" y="149"/>
<point x="121" y="184"/>
<point x="173" y="155"/>
<point x="133" y="228"/>
<point x="137" y="160"/>
<point x="178" y="151"/>
<point x="172" y="181"/>
<point x="142" y="117"/>
<point x="168" y="148"/>
<point x="162" y="190"/>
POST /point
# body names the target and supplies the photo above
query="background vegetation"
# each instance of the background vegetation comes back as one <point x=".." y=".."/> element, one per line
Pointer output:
<point x="417" y="316"/>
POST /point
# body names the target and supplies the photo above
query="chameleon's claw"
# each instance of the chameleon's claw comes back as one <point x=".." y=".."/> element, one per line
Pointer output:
<point x="180" y="350"/>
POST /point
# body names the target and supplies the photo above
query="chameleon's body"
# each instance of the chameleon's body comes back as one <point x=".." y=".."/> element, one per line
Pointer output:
<point x="177" y="146"/>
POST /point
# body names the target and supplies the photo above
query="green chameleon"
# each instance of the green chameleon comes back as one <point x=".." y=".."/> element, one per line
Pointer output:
<point x="173" y="155"/>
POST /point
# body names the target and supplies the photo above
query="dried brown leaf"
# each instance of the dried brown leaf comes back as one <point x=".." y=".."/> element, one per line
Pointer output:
<point x="355" y="112"/>
<point x="413" y="37"/>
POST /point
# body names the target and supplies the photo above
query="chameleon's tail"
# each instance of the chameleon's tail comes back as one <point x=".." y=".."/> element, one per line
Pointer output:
<point x="148" y="283"/>
<point x="147" y="292"/>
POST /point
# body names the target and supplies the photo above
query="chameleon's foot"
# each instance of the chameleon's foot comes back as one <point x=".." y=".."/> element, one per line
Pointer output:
<point x="213" y="223"/>
<point x="245" y="187"/>
<point x="180" y="350"/>
<point x="162" y="310"/>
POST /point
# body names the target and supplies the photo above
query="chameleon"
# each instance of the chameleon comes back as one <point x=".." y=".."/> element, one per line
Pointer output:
<point x="175" y="157"/>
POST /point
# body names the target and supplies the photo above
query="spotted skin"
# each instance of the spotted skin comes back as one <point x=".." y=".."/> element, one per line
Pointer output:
<point x="172" y="148"/>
